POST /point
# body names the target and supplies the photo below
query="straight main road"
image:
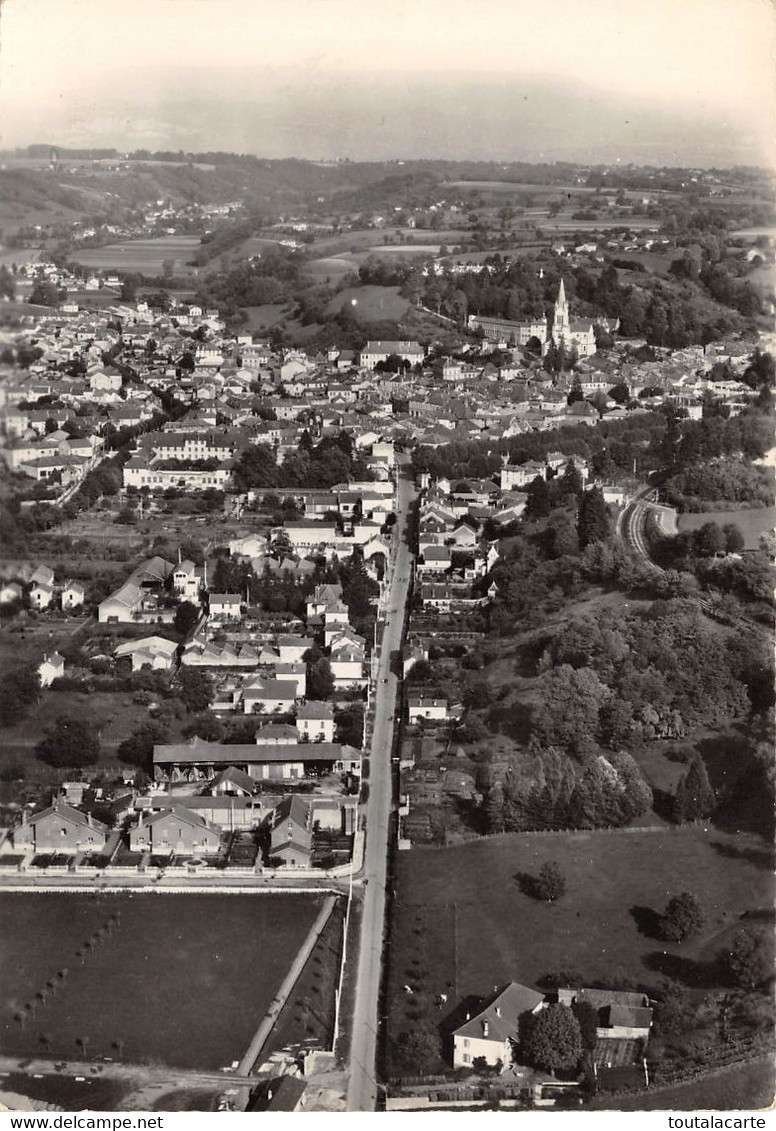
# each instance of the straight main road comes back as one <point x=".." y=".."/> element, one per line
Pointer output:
<point x="362" y="1090"/>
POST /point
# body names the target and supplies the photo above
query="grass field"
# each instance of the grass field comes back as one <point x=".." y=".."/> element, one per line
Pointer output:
<point x="371" y="304"/>
<point x="752" y="523"/>
<point x="113" y="712"/>
<point x="145" y="256"/>
<point x="182" y="980"/>
<point x="462" y="924"/>
<point x="749" y="1088"/>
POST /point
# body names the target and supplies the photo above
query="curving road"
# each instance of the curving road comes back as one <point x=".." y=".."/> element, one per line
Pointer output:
<point x="362" y="1090"/>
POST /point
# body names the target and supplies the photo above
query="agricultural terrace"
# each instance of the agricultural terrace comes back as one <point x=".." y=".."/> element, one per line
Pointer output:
<point x="181" y="980"/>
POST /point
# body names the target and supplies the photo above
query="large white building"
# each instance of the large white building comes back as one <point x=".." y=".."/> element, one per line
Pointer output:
<point x="375" y="352"/>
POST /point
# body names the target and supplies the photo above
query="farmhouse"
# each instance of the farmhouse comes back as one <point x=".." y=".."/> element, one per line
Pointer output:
<point x="493" y="1033"/>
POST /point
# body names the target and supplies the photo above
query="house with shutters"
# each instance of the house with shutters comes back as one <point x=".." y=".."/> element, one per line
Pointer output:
<point x="225" y="606"/>
<point x="315" y="722"/>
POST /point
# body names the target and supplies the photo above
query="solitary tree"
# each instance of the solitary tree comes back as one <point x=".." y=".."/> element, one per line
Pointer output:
<point x="593" y="518"/>
<point x="683" y="918"/>
<point x="734" y="538"/>
<point x="553" y="1041"/>
<point x="320" y="681"/>
<point x="196" y="689"/>
<point x="551" y="883"/>
<point x="694" y="798"/>
<point x="747" y="961"/>
<point x="186" y="616"/>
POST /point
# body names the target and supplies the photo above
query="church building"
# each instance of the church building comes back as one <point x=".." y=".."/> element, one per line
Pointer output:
<point x="560" y="329"/>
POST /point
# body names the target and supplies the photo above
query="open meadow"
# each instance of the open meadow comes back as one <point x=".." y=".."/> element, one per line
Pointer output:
<point x="462" y="922"/>
<point x="179" y="980"/>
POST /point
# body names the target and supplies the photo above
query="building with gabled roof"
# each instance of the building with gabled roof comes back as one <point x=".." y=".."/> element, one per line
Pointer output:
<point x="494" y="1032"/>
<point x="175" y="831"/>
<point x="61" y="829"/>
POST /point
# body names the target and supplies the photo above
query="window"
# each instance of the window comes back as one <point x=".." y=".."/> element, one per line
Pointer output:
<point x="466" y="1057"/>
<point x="466" y="1043"/>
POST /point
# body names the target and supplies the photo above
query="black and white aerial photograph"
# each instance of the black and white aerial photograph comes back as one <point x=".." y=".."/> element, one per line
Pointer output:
<point x="387" y="543"/>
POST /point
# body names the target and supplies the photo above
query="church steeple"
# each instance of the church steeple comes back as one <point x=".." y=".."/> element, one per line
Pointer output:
<point x="560" y="322"/>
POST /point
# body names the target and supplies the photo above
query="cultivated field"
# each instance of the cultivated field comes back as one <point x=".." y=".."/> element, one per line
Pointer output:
<point x="144" y="256"/>
<point x="181" y="980"/>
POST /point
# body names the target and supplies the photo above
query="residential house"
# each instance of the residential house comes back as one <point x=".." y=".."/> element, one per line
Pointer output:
<point x="291" y="835"/>
<point x="187" y="581"/>
<point x="41" y="588"/>
<point x="418" y="707"/>
<point x="61" y="829"/>
<point x="50" y="668"/>
<point x="315" y="722"/>
<point x="225" y="606"/>
<point x="269" y="696"/>
<point x="73" y="594"/>
<point x="493" y="1034"/>
<point x="175" y="831"/>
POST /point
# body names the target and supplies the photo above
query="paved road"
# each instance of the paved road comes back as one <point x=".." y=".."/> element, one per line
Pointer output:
<point x="362" y="1091"/>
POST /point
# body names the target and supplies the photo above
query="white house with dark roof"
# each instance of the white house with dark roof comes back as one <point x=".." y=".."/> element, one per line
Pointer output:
<point x="225" y="606"/>
<point x="418" y="707"/>
<point x="315" y="722"/>
<point x="494" y="1032"/>
<point x="50" y="668"/>
<point x="73" y="594"/>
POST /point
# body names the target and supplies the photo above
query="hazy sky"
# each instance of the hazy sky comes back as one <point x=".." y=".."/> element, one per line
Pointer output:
<point x="661" y="81"/>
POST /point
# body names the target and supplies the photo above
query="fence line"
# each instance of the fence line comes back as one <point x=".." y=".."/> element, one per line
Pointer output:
<point x="477" y="837"/>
